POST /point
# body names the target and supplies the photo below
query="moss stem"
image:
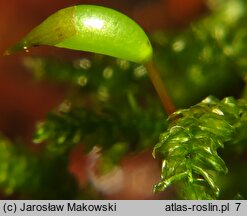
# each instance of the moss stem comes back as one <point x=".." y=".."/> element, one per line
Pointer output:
<point x="160" y="88"/>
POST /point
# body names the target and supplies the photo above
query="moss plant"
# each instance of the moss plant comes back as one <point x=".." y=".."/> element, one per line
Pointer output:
<point x="191" y="146"/>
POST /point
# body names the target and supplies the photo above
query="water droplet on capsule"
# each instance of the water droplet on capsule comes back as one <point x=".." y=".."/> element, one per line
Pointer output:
<point x="25" y="48"/>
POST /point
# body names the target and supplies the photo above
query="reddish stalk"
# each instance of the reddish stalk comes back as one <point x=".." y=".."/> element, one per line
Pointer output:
<point x="160" y="88"/>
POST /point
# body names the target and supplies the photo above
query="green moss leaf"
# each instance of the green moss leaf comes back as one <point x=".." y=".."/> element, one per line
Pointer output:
<point x="189" y="148"/>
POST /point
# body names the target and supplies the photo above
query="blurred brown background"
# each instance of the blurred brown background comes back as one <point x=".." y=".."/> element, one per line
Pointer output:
<point x="23" y="101"/>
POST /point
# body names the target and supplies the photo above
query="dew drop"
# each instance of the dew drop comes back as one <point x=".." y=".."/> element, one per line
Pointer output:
<point x="82" y="80"/>
<point x="83" y="63"/>
<point x="178" y="45"/>
<point x="65" y="106"/>
<point x="140" y="71"/>
<point x="123" y="64"/>
<point x="107" y="72"/>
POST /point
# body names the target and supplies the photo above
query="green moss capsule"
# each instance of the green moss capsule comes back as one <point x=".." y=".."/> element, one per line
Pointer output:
<point x="90" y="28"/>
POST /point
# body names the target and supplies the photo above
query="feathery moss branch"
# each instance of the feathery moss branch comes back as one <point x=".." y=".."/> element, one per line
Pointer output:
<point x="189" y="148"/>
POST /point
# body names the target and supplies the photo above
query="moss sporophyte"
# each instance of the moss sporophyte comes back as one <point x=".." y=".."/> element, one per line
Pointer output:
<point x="99" y="30"/>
